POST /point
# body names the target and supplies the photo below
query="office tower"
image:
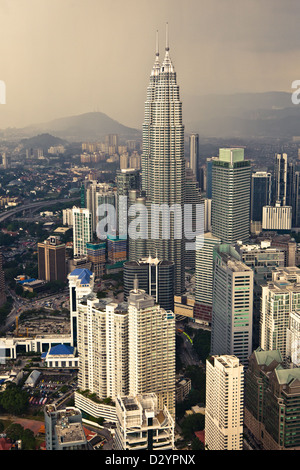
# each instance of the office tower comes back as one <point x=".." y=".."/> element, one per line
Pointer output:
<point x="209" y="167"/>
<point x="272" y="401"/>
<point x="284" y="181"/>
<point x="232" y="307"/>
<point x="142" y="426"/>
<point x="116" y="249"/>
<point x="204" y="276"/>
<point x="224" y="403"/>
<point x="102" y="348"/>
<point x="155" y="277"/>
<point x="97" y="194"/>
<point x="82" y="230"/>
<point x="52" y="260"/>
<point x="194" y="155"/>
<point x="194" y="200"/>
<point x="279" y="298"/>
<point x="261" y="187"/>
<point x="231" y="175"/>
<point x="127" y="180"/>
<point x="63" y="429"/>
<point x="296" y="200"/>
<point x="2" y="282"/>
<point x="151" y="348"/>
<point x="278" y="218"/>
<point x="96" y="254"/>
<point x="81" y="283"/>
<point x="263" y="259"/>
<point x="68" y="217"/>
<point x="163" y="162"/>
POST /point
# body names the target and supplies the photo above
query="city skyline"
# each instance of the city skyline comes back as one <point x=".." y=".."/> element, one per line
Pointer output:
<point x="72" y="58"/>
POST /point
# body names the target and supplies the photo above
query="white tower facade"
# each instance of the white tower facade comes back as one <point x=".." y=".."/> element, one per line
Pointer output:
<point x="151" y="346"/>
<point x="224" y="403"/>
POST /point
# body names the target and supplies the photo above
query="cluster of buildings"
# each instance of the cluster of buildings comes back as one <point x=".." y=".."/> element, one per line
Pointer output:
<point x="247" y="290"/>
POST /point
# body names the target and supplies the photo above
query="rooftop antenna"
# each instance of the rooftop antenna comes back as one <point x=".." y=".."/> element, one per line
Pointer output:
<point x="157" y="48"/>
<point x="167" y="36"/>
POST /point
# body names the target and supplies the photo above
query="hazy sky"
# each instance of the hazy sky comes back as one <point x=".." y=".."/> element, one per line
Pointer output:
<point x="65" y="57"/>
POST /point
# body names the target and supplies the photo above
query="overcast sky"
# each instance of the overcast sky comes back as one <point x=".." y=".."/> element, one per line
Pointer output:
<point x="65" y="57"/>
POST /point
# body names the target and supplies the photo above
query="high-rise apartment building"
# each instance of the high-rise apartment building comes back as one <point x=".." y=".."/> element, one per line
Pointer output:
<point x="231" y="176"/>
<point x="232" y="307"/>
<point x="141" y="425"/>
<point x="224" y="403"/>
<point x="155" y="277"/>
<point x="82" y="230"/>
<point x="280" y="297"/>
<point x="2" y="282"/>
<point x="81" y="283"/>
<point x="151" y="346"/>
<point x="52" y="260"/>
<point x="163" y="162"/>
<point x="204" y="273"/>
<point x="102" y="347"/>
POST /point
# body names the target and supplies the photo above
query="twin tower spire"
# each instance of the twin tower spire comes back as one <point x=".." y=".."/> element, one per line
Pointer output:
<point x="166" y="65"/>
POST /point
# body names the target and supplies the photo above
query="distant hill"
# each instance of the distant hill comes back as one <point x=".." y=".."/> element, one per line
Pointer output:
<point x="269" y="114"/>
<point x="43" y="141"/>
<point x="84" y="127"/>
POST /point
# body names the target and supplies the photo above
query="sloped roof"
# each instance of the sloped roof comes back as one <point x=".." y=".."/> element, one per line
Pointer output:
<point x="83" y="274"/>
<point x="61" y="350"/>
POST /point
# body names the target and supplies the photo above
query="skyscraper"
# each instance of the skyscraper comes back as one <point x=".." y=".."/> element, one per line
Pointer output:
<point x="204" y="276"/>
<point x="224" y="403"/>
<point x="232" y="307"/>
<point x="155" y="277"/>
<point x="163" y="163"/>
<point x="151" y="346"/>
<point x="261" y="187"/>
<point x="230" y="217"/>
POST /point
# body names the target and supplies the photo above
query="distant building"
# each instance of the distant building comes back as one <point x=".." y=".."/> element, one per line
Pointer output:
<point x="277" y="218"/>
<point x="231" y="177"/>
<point x="261" y="195"/>
<point x="2" y="282"/>
<point x="82" y="230"/>
<point x="155" y="277"/>
<point x="96" y="254"/>
<point x="52" y="260"/>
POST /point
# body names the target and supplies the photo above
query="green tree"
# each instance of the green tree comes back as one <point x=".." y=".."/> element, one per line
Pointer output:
<point x="14" y="400"/>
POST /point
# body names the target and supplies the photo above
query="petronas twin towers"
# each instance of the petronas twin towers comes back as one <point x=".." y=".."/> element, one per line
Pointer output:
<point x="163" y="163"/>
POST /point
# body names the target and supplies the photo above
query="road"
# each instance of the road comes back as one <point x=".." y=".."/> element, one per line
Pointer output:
<point x="33" y="205"/>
